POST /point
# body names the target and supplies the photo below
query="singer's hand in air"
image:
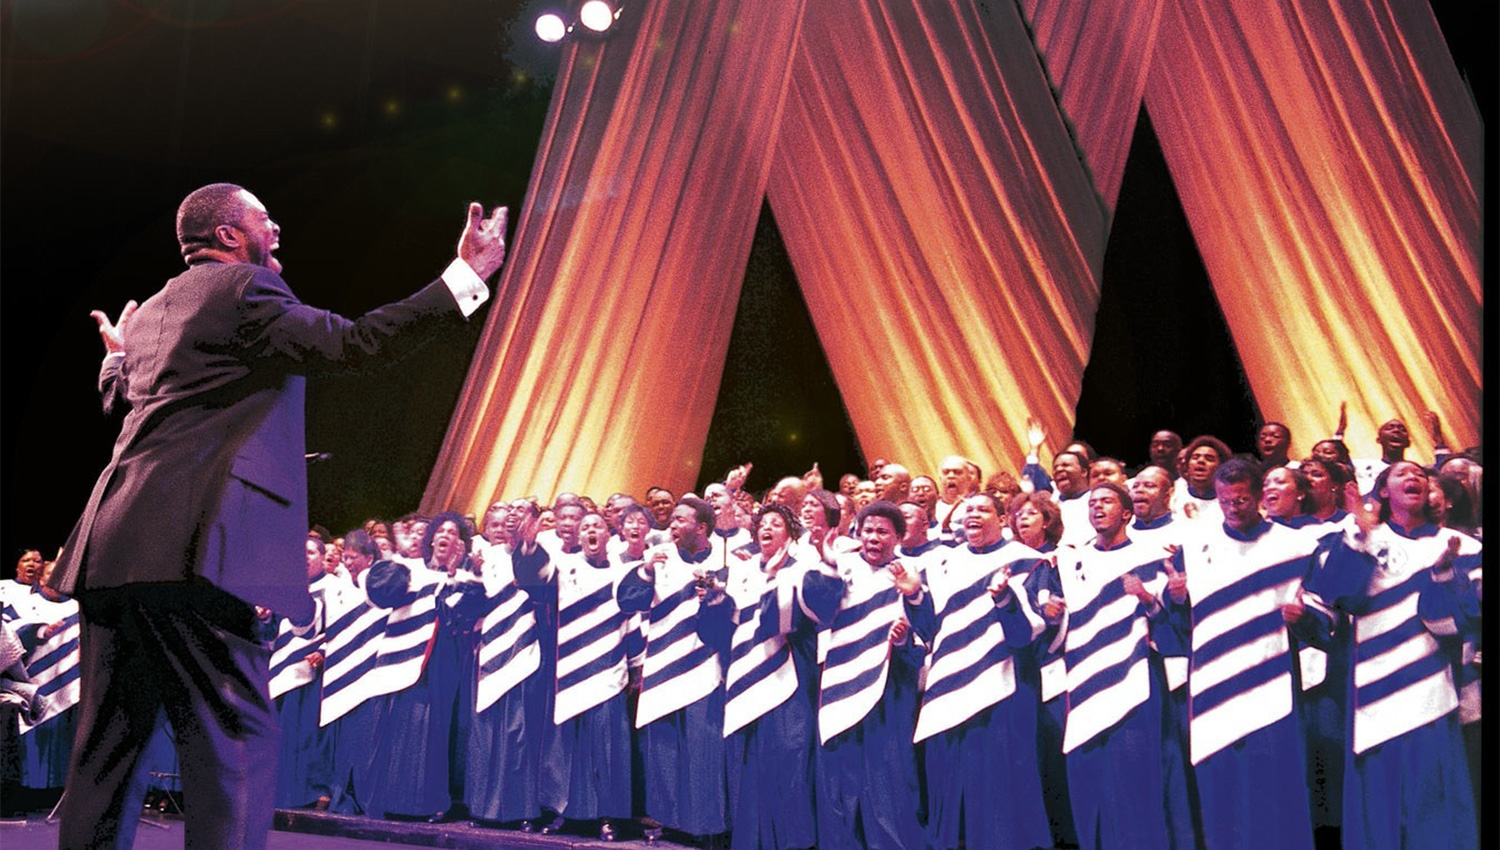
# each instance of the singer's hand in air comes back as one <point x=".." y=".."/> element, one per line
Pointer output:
<point x="114" y="334"/>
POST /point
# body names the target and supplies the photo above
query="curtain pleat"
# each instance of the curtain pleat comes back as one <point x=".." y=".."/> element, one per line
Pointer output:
<point x="1328" y="158"/>
<point x="601" y="357"/>
<point x="1097" y="55"/>
<point x="942" y="175"/>
<point x="945" y="234"/>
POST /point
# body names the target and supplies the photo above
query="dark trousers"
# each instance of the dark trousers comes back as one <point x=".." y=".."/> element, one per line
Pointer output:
<point x="187" y="649"/>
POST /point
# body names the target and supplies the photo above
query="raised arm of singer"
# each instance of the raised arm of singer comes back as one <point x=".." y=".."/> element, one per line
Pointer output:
<point x="202" y="510"/>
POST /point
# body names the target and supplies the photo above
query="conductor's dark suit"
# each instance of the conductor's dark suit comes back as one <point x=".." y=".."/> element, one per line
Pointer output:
<point x="201" y="510"/>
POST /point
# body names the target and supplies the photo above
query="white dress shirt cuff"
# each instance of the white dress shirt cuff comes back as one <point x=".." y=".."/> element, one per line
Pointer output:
<point x="467" y="288"/>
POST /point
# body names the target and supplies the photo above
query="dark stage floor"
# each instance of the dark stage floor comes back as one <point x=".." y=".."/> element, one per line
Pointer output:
<point x="301" y="830"/>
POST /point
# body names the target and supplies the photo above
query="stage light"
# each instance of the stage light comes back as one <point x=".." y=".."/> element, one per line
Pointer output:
<point x="551" y="28"/>
<point x="596" y="15"/>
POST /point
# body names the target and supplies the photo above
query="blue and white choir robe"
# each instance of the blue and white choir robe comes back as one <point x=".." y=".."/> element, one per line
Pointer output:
<point x="1113" y="737"/>
<point x="1042" y="583"/>
<point x="1164" y="536"/>
<point x="350" y="706"/>
<point x="421" y="749"/>
<point x="867" y="781"/>
<point x="978" y="714"/>
<point x="770" y="715"/>
<point x="1406" y="781"/>
<point x="512" y="725"/>
<point x="52" y="665"/>
<point x="680" y="710"/>
<point x="305" y="765"/>
<point x="1245" y="737"/>
<point x="1325" y="686"/>
<point x="590" y="716"/>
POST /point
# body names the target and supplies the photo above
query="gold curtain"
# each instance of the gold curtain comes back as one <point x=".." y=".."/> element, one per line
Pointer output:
<point x="944" y="232"/>
<point x="602" y="353"/>
<point x="1097" y="55"/>
<point x="946" y="213"/>
<point x="1329" y="160"/>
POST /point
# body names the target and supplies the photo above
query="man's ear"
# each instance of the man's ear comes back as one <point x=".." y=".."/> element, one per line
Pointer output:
<point x="227" y="235"/>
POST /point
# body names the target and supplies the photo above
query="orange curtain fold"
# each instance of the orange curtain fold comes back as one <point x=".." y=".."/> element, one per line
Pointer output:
<point x="1328" y="158"/>
<point x="942" y="177"/>
<point x="601" y="357"/>
<point x="945" y="235"/>
<point x="1097" y="55"/>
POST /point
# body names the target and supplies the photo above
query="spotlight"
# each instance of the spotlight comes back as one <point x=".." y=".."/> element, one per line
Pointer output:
<point x="596" y="15"/>
<point x="551" y="28"/>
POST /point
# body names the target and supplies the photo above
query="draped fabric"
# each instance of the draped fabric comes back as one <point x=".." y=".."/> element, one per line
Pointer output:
<point x="945" y="235"/>
<point x="1097" y="54"/>
<point x="600" y="361"/>
<point x="1328" y="157"/>
<point x="943" y="174"/>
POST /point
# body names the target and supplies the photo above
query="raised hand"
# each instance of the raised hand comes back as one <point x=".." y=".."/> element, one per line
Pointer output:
<point x="113" y="335"/>
<point x="1366" y="515"/>
<point x="1441" y="569"/>
<point x="1434" y="428"/>
<point x="1035" y="436"/>
<point x="1176" y="582"/>
<point x="1292" y="611"/>
<point x="482" y="244"/>
<point x="1338" y="433"/>
<point x="899" y="631"/>
<point x="813" y="478"/>
<point x="735" y="480"/>
<point x="1136" y="588"/>
<point x="905" y="580"/>
<point x="1000" y="583"/>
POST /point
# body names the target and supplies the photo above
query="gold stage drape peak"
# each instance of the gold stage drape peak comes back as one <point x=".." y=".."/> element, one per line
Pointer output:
<point x="943" y="174"/>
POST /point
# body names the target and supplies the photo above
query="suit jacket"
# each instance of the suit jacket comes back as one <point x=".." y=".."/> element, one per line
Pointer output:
<point x="208" y="477"/>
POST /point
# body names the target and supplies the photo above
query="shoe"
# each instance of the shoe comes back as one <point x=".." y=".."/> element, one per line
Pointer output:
<point x="652" y="834"/>
<point x="606" y="831"/>
<point x="440" y="817"/>
<point x="322" y="804"/>
<point x="528" y="826"/>
<point x="554" y="826"/>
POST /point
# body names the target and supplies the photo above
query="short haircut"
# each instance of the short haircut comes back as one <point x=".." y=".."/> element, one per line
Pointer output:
<point x="1089" y="455"/>
<point x="882" y="508"/>
<point x="360" y="541"/>
<point x="1118" y="490"/>
<point x="1219" y="446"/>
<point x="703" y="511"/>
<point x="320" y="542"/>
<point x="1239" y="470"/>
<point x="202" y="211"/>
<point x="634" y="508"/>
<point x="830" y="504"/>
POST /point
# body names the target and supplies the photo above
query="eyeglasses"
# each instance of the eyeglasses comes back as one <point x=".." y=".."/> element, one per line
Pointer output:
<point x="1236" y="504"/>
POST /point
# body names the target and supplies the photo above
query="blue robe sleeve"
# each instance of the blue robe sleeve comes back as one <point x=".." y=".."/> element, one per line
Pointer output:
<point x="1013" y="620"/>
<point x="529" y="568"/>
<point x="388" y="585"/>
<point x="1033" y="472"/>
<point x="821" y="594"/>
<point x="716" y="621"/>
<point x="1342" y="578"/>
<point x="922" y="615"/>
<point x="1173" y="631"/>
<point x="635" y="593"/>
<point x="1448" y="605"/>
